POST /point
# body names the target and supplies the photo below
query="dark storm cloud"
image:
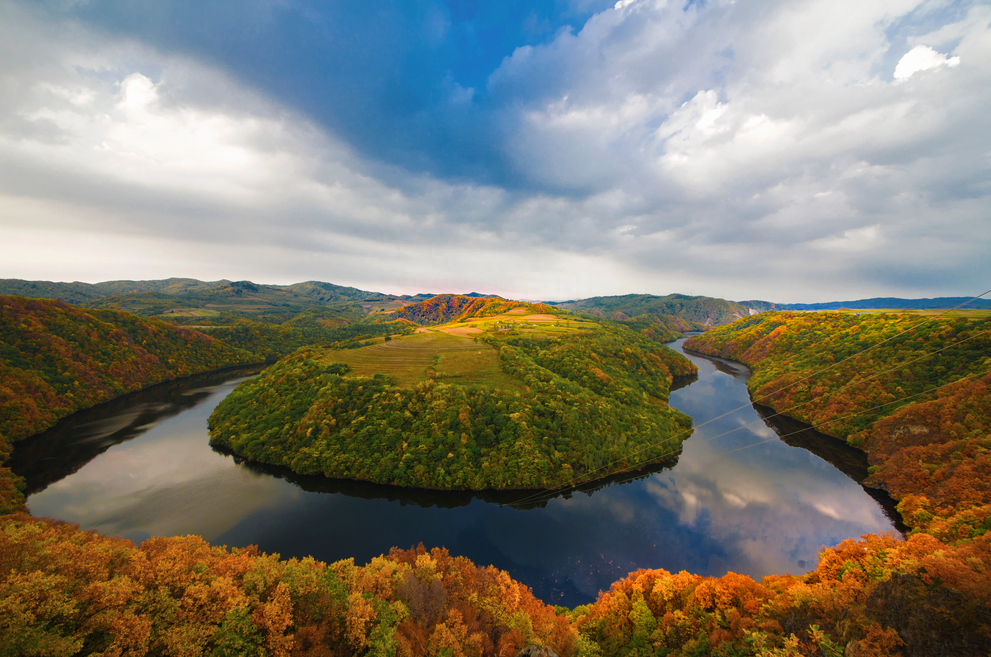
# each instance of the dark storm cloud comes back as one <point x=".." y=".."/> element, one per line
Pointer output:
<point x="401" y="82"/>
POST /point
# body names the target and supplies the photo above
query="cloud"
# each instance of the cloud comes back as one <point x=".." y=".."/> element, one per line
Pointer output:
<point x="148" y="178"/>
<point x="727" y="149"/>
<point x="922" y="58"/>
<point x="744" y="130"/>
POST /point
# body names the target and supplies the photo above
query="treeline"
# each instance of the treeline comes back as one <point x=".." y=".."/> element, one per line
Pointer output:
<point x="586" y="405"/>
<point x="446" y="308"/>
<point x="876" y="596"/>
<point x="333" y="328"/>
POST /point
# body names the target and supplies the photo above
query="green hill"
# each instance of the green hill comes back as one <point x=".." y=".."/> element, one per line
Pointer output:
<point x="701" y="312"/>
<point x="80" y="294"/>
<point x="241" y="299"/>
<point x="514" y="400"/>
<point x="189" y="301"/>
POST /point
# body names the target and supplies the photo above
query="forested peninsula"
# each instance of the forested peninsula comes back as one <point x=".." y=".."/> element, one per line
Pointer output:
<point x="924" y="421"/>
<point x="508" y="395"/>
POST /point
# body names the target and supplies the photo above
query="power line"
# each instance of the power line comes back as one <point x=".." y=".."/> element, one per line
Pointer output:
<point x="599" y="469"/>
<point x="776" y="414"/>
<point x="777" y="436"/>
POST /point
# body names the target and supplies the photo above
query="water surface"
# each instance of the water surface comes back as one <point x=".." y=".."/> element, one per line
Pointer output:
<point x="740" y="498"/>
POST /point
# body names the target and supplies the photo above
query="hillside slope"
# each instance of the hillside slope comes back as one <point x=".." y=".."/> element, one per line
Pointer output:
<point x="56" y="359"/>
<point x="445" y="308"/>
<point x="512" y="401"/>
<point x="912" y="393"/>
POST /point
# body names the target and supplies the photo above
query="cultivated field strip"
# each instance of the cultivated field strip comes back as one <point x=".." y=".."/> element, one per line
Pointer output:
<point x="422" y="356"/>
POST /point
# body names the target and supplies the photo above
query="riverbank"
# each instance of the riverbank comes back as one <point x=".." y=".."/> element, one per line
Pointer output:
<point x="912" y="393"/>
<point x="734" y="500"/>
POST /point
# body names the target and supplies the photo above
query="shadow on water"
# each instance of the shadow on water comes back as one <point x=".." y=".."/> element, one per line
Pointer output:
<point x="849" y="460"/>
<point x="444" y="499"/>
<point x="680" y="382"/>
<point x="76" y="440"/>
<point x="728" y="367"/>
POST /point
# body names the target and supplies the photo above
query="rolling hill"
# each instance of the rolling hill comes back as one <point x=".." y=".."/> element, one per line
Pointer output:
<point x="891" y="303"/>
<point x="510" y="395"/>
<point x="701" y="311"/>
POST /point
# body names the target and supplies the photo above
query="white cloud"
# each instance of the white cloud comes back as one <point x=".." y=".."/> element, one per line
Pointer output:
<point x="922" y="58"/>
<point x="766" y="129"/>
<point x="147" y="181"/>
<point x="661" y="150"/>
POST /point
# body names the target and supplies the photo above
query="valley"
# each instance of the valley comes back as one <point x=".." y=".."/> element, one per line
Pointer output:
<point x="475" y="393"/>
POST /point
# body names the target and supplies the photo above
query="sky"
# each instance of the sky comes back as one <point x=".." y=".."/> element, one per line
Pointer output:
<point x="790" y="151"/>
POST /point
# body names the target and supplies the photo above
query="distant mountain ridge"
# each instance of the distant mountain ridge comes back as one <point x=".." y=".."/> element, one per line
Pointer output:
<point x="80" y="293"/>
<point x="704" y="311"/>
<point x="175" y="298"/>
<point x="893" y="303"/>
<point x="189" y="301"/>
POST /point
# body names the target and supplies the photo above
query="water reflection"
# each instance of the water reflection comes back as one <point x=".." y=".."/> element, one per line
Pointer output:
<point x="517" y="499"/>
<point x="770" y="504"/>
<point x="738" y="499"/>
<point x="80" y="438"/>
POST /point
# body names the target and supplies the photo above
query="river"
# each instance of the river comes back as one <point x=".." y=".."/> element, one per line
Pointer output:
<point x="750" y="495"/>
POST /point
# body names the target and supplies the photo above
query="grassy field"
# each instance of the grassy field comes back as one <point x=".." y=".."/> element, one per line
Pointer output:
<point x="449" y="352"/>
<point x="428" y="354"/>
<point x="188" y="312"/>
<point x="518" y="319"/>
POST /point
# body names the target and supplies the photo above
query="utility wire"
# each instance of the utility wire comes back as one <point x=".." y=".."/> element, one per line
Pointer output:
<point x="777" y="436"/>
<point x="638" y="464"/>
<point x="587" y="479"/>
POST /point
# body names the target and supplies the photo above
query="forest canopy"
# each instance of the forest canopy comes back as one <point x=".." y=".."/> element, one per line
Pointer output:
<point x="508" y="398"/>
<point x="56" y="359"/>
<point x="925" y="425"/>
<point x="910" y="391"/>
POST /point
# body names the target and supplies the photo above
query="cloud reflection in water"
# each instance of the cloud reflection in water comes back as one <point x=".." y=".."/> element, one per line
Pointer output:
<point x="765" y="508"/>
